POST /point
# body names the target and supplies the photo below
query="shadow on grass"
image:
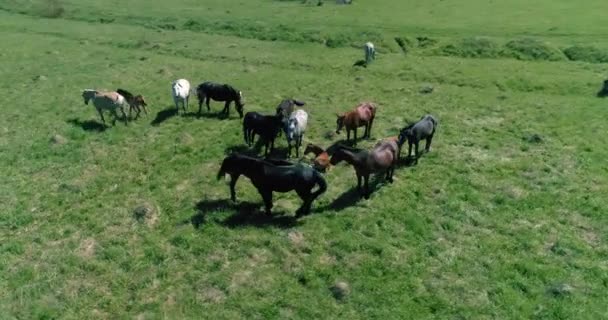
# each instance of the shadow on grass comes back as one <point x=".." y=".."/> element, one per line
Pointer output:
<point x="88" y="125"/>
<point x="244" y="214"/>
<point x="347" y="199"/>
<point x="257" y="151"/>
<point x="164" y="115"/>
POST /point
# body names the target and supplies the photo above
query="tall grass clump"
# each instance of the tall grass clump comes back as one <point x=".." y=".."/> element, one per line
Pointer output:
<point x="475" y="47"/>
<point x="52" y="9"/>
<point x="532" y="49"/>
<point x="587" y="54"/>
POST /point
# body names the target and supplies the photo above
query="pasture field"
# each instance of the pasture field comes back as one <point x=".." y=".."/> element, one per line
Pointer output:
<point x="504" y="219"/>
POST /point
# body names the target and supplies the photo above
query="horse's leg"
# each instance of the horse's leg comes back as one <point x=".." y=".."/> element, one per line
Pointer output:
<point x="267" y="196"/>
<point x="347" y="135"/>
<point x="369" y="129"/>
<point x="145" y="110"/>
<point x="306" y="196"/>
<point x="409" y="152"/>
<point x="417" y="152"/>
<point x="122" y="110"/>
<point x="233" y="179"/>
<point x="366" y="179"/>
<point x="207" y="103"/>
<point x="101" y="115"/>
<point x="227" y="108"/>
<point x="427" y="148"/>
<point x="355" y="141"/>
<point x="186" y="104"/>
<point x="359" y="182"/>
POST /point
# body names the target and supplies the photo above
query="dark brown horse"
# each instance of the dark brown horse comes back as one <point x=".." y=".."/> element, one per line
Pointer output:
<point x="413" y="133"/>
<point x="362" y="116"/>
<point x="382" y="158"/>
<point x="268" y="178"/>
<point x="321" y="162"/>
<point x="220" y="92"/>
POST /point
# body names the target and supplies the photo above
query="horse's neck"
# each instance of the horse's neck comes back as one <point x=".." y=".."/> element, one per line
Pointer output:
<point x="351" y="157"/>
<point x="316" y="150"/>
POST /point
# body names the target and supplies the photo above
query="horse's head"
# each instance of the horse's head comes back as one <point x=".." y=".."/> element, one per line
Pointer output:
<point x="228" y="165"/>
<point x="139" y="99"/>
<point x="87" y="95"/>
<point x="339" y="122"/>
<point x="240" y="104"/>
<point x="404" y="134"/>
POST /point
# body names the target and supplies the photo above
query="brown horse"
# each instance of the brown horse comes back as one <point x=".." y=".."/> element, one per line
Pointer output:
<point x="321" y="162"/>
<point x="362" y="116"/>
<point x="383" y="157"/>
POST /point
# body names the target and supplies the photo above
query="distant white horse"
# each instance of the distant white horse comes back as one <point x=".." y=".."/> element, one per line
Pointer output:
<point x="109" y="100"/>
<point x="370" y="52"/>
<point x="296" y="126"/>
<point x="180" y="89"/>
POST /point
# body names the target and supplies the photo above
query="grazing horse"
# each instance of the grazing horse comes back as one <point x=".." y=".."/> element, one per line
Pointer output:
<point x="180" y="90"/>
<point x="383" y="157"/>
<point x="296" y="126"/>
<point x="220" y="92"/>
<point x="370" y="52"/>
<point x="267" y="127"/>
<point x="362" y="116"/>
<point x="135" y="102"/>
<point x="105" y="101"/>
<point x="268" y="177"/>
<point x="423" y="129"/>
<point x="321" y="162"/>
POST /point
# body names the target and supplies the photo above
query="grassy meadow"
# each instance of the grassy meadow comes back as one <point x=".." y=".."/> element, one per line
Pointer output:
<point x="503" y="219"/>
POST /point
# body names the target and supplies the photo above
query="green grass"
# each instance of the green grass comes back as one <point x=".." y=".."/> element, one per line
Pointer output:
<point x="487" y="225"/>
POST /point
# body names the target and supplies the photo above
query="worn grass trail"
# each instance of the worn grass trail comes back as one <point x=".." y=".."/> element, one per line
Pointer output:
<point x="493" y="223"/>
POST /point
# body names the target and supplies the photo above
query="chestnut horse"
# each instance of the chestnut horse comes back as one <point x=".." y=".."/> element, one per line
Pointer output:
<point x="383" y="157"/>
<point x="321" y="162"/>
<point x="362" y="116"/>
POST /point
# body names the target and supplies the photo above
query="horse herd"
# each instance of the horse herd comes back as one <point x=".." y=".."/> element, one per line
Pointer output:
<point x="277" y="175"/>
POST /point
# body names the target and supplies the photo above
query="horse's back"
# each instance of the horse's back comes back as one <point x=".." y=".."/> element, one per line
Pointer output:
<point x="181" y="88"/>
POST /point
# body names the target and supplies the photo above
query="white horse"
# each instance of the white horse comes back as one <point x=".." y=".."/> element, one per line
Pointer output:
<point x="109" y="100"/>
<point x="180" y="89"/>
<point x="370" y="52"/>
<point x="296" y="126"/>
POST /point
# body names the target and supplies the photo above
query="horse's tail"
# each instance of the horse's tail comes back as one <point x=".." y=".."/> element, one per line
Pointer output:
<point x="298" y="102"/>
<point x="321" y="182"/>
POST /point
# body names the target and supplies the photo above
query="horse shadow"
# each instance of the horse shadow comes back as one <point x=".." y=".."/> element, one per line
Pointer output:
<point x="244" y="214"/>
<point x="88" y="125"/>
<point x="164" y="115"/>
<point x="347" y="199"/>
<point x="207" y="115"/>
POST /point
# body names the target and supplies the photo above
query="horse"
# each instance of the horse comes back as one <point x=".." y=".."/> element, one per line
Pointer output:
<point x="604" y="91"/>
<point x="135" y="102"/>
<point x="296" y="126"/>
<point x="180" y="90"/>
<point x="383" y="157"/>
<point x="268" y="177"/>
<point x="266" y="126"/>
<point x="362" y="115"/>
<point x="370" y="52"/>
<point x="287" y="106"/>
<point x="321" y="162"/>
<point x="220" y="92"/>
<point x="414" y="132"/>
<point x="109" y="100"/>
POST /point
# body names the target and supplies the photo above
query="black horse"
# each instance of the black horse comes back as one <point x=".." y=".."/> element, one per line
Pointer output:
<point x="604" y="92"/>
<point x="423" y="129"/>
<point x="220" y="92"/>
<point x="267" y="177"/>
<point x="267" y="127"/>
